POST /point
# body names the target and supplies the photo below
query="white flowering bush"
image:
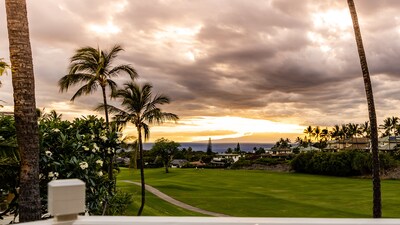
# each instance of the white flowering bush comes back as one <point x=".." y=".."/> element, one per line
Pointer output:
<point x="80" y="149"/>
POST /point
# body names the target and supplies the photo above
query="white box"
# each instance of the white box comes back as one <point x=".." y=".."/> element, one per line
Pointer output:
<point x="66" y="197"/>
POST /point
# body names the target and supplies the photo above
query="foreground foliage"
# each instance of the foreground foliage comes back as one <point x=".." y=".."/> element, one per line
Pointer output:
<point x="77" y="149"/>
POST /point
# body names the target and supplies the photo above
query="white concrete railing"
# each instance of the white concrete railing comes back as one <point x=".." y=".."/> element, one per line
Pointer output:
<point x="67" y="200"/>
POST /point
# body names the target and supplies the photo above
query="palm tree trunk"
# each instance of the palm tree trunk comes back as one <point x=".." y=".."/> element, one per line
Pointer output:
<point x="24" y="109"/>
<point x="377" y="204"/>
<point x="141" y="163"/>
<point x="111" y="157"/>
<point x="103" y="89"/>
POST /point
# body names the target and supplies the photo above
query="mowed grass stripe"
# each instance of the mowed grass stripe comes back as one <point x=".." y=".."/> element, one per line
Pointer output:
<point x="272" y="194"/>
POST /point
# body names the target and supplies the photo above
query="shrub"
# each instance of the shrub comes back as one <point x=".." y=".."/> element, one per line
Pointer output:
<point x="241" y="163"/>
<point x="344" y="163"/>
<point x="80" y="149"/>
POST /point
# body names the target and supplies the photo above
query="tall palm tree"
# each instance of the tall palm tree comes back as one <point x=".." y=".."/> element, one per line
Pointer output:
<point x="376" y="181"/>
<point x="24" y="109"/>
<point x="93" y="68"/>
<point x="141" y="109"/>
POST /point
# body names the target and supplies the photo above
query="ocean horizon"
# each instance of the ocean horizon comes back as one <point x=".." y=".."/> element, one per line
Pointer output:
<point x="217" y="147"/>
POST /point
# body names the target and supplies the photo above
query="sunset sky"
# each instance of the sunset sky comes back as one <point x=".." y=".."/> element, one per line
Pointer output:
<point x="236" y="70"/>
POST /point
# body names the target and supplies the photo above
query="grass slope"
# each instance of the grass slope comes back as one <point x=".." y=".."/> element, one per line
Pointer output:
<point x="269" y="194"/>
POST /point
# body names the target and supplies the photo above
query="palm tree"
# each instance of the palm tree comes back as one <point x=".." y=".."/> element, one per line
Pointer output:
<point x="376" y="181"/>
<point x="365" y="129"/>
<point x="141" y="109"/>
<point x="386" y="127"/>
<point x="316" y="133"/>
<point x="24" y="109"/>
<point x="309" y="131"/>
<point x="93" y="67"/>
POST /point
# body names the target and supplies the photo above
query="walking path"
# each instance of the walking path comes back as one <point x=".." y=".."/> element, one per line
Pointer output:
<point x="173" y="201"/>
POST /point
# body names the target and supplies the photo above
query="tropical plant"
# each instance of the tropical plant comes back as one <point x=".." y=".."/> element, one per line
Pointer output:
<point x="24" y="109"/>
<point x="94" y="67"/>
<point x="365" y="129"/>
<point x="141" y="109"/>
<point x="79" y="149"/>
<point x="377" y="202"/>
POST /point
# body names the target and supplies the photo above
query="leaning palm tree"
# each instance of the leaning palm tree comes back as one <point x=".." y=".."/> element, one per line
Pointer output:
<point x="93" y="68"/>
<point x="24" y="109"/>
<point x="141" y="109"/>
<point x="376" y="181"/>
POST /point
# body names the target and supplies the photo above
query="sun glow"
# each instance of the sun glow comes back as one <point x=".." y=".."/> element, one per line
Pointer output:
<point x="333" y="19"/>
<point x="234" y="127"/>
<point x="181" y="39"/>
<point x="105" y="29"/>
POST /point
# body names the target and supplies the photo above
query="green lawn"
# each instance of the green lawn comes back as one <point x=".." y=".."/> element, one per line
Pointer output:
<point x="266" y="194"/>
<point x="154" y="206"/>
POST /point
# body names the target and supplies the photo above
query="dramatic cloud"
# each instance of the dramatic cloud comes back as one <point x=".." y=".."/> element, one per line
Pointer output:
<point x="286" y="61"/>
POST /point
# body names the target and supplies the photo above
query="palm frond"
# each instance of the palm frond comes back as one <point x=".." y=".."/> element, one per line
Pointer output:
<point x="85" y="90"/>
<point x="146" y="131"/>
<point x="109" y="56"/>
<point x="114" y="72"/>
<point x="111" y="109"/>
<point x="71" y="79"/>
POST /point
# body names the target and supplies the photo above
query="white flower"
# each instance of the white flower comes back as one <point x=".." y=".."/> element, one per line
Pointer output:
<point x="118" y="141"/>
<point x="48" y="153"/>
<point x="70" y="126"/>
<point x="119" y="134"/>
<point x="96" y="147"/>
<point x="51" y="174"/>
<point x="104" y="138"/>
<point x="85" y="148"/>
<point x="1" y="138"/>
<point x="56" y="130"/>
<point x="41" y="175"/>
<point x="100" y="162"/>
<point x="100" y="173"/>
<point x="83" y="165"/>
<point x="55" y="174"/>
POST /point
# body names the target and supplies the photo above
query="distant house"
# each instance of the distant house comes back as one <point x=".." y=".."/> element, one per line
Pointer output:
<point x="178" y="163"/>
<point x="308" y="148"/>
<point x="223" y="157"/>
<point x="389" y="143"/>
<point x="348" y="144"/>
<point x="197" y="164"/>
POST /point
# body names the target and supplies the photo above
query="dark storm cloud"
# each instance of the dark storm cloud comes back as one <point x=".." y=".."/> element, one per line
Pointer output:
<point x="254" y="58"/>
